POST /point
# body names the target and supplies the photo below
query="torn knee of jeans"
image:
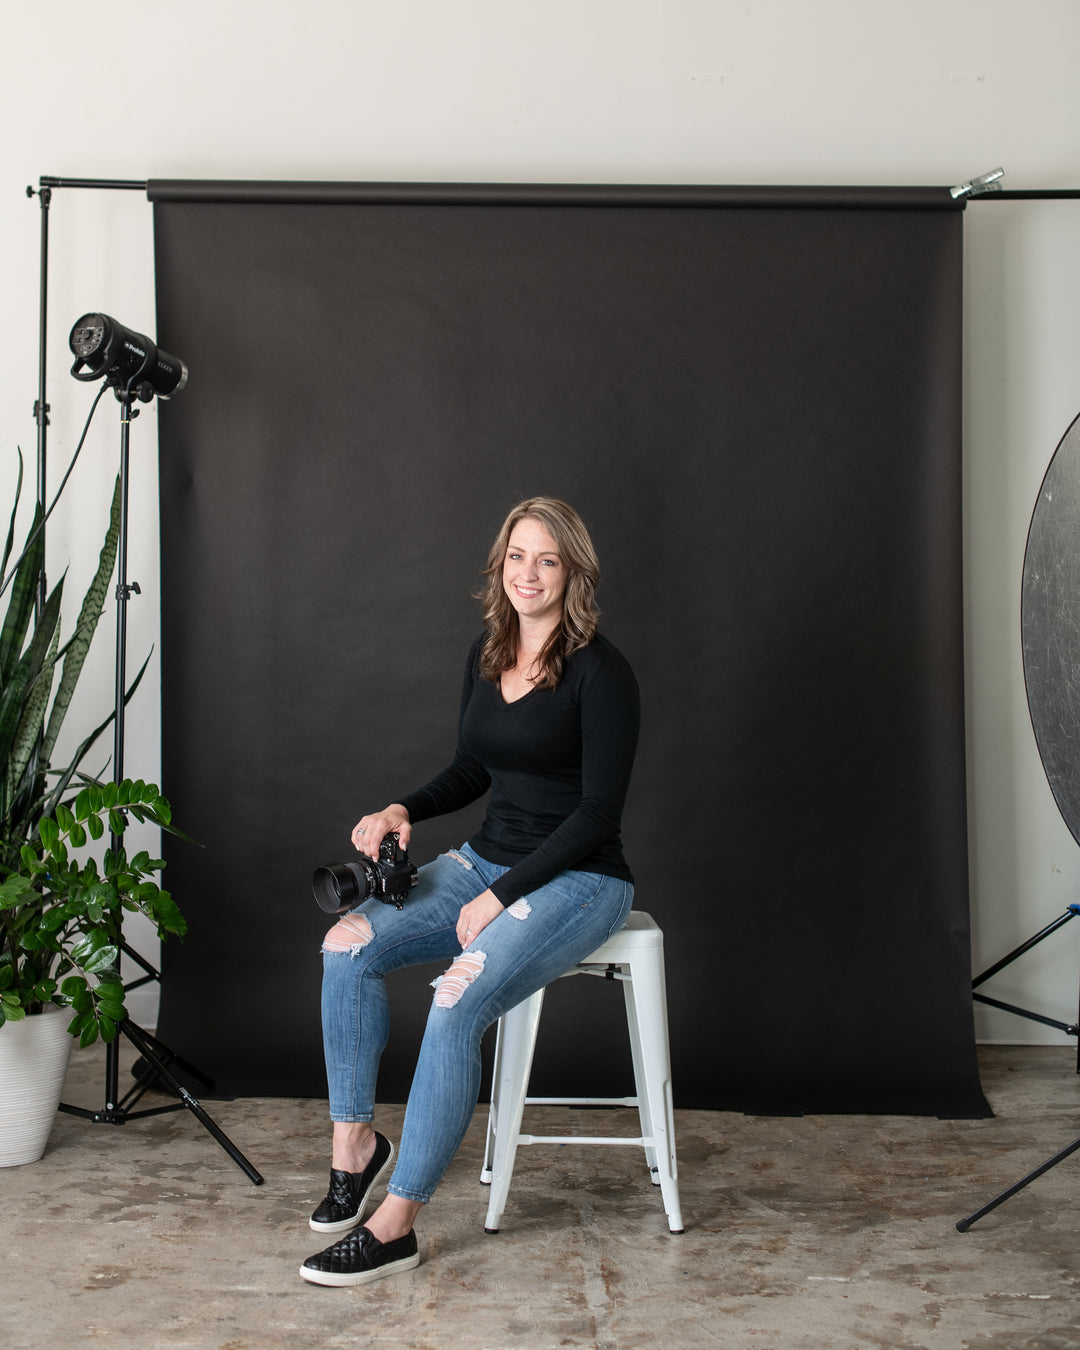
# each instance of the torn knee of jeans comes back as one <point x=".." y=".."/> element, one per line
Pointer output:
<point x="460" y="858"/>
<point x="351" y="934"/>
<point x="520" y="909"/>
<point x="450" y="987"/>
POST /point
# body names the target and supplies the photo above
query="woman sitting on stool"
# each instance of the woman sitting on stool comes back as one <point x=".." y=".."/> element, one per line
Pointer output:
<point x="548" y="724"/>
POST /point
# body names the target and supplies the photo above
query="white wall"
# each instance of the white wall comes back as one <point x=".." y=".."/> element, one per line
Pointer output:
<point x="721" y="91"/>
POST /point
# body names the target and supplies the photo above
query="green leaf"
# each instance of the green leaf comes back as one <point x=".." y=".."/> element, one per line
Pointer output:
<point x="21" y="702"/>
<point x="64" y="818"/>
<point x="55" y="918"/>
<point x="14" y="513"/>
<point x="88" y="944"/>
<point x="117" y="822"/>
<point x="92" y="607"/>
<point x="25" y="742"/>
<point x="105" y="959"/>
<point x="50" y="834"/>
<point x="77" y="835"/>
<point x="89" y="1034"/>
<point x="69" y="773"/>
<point x="82" y="804"/>
<point x="166" y="914"/>
<point x="95" y="826"/>
<point x="23" y="594"/>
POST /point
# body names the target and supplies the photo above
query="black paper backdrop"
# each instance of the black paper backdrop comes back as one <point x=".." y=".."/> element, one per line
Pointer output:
<point x="756" y="408"/>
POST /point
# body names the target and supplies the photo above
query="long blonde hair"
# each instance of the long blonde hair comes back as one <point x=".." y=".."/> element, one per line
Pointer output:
<point x="580" y="613"/>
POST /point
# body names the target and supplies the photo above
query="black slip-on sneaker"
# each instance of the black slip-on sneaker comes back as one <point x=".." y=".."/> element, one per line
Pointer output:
<point x="348" y="1194"/>
<point x="359" y="1257"/>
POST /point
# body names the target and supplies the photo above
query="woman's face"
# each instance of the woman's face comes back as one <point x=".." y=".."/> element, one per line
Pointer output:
<point x="534" y="576"/>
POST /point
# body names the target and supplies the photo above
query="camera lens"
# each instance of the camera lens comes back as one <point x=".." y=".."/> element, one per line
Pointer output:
<point x="341" y="887"/>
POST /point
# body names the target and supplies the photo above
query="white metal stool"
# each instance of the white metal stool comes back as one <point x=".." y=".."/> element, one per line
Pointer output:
<point x="635" y="957"/>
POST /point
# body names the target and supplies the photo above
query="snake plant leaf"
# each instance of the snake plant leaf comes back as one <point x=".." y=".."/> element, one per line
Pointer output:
<point x="64" y="781"/>
<point x="26" y="671"/>
<point x="92" y="608"/>
<point x="27" y="736"/>
<point x="14" y="512"/>
<point x="20" y="608"/>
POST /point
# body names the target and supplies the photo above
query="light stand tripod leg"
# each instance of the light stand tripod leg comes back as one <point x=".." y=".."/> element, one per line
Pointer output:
<point x="147" y="1047"/>
<point x="965" y="1224"/>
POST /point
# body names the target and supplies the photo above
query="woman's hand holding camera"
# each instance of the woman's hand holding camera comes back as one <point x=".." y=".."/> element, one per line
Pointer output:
<point x="369" y="833"/>
<point x="371" y="830"/>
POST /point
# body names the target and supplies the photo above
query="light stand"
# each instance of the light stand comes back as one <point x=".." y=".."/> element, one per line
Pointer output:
<point x="158" y="1057"/>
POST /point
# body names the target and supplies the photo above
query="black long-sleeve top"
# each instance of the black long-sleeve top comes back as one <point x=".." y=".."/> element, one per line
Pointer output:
<point x="557" y="763"/>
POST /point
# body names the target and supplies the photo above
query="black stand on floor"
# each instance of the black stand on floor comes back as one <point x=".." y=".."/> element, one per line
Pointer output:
<point x="157" y="1056"/>
<point x="965" y="1224"/>
<point x="1071" y="912"/>
<point x="1071" y="1029"/>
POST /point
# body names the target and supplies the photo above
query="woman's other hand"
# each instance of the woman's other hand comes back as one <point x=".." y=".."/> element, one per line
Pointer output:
<point x="371" y="830"/>
<point x="474" y="917"/>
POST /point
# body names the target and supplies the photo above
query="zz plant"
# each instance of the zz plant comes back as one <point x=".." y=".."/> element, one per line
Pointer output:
<point x="60" y="916"/>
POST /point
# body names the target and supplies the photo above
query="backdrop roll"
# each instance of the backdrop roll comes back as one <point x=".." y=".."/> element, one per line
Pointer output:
<point x="755" y="403"/>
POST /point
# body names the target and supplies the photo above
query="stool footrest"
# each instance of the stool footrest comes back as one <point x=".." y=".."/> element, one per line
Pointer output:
<point x="581" y="1101"/>
<point x="581" y="1139"/>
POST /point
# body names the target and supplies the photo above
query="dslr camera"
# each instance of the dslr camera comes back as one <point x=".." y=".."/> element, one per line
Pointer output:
<point x="390" y="877"/>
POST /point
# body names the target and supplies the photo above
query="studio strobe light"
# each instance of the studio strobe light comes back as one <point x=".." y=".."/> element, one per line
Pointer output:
<point x="104" y="347"/>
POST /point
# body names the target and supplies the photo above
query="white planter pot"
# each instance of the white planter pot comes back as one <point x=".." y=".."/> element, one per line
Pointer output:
<point x="33" y="1061"/>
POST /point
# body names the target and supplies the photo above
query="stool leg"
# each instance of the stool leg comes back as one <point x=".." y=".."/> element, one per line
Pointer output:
<point x="493" y="1109"/>
<point x="644" y="1117"/>
<point x="650" y="999"/>
<point x="517" y="1041"/>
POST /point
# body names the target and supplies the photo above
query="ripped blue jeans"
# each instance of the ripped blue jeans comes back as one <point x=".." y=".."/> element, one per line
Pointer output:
<point x="524" y="948"/>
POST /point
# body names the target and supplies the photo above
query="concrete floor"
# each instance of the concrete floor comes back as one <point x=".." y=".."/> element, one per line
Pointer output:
<point x="820" y="1233"/>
